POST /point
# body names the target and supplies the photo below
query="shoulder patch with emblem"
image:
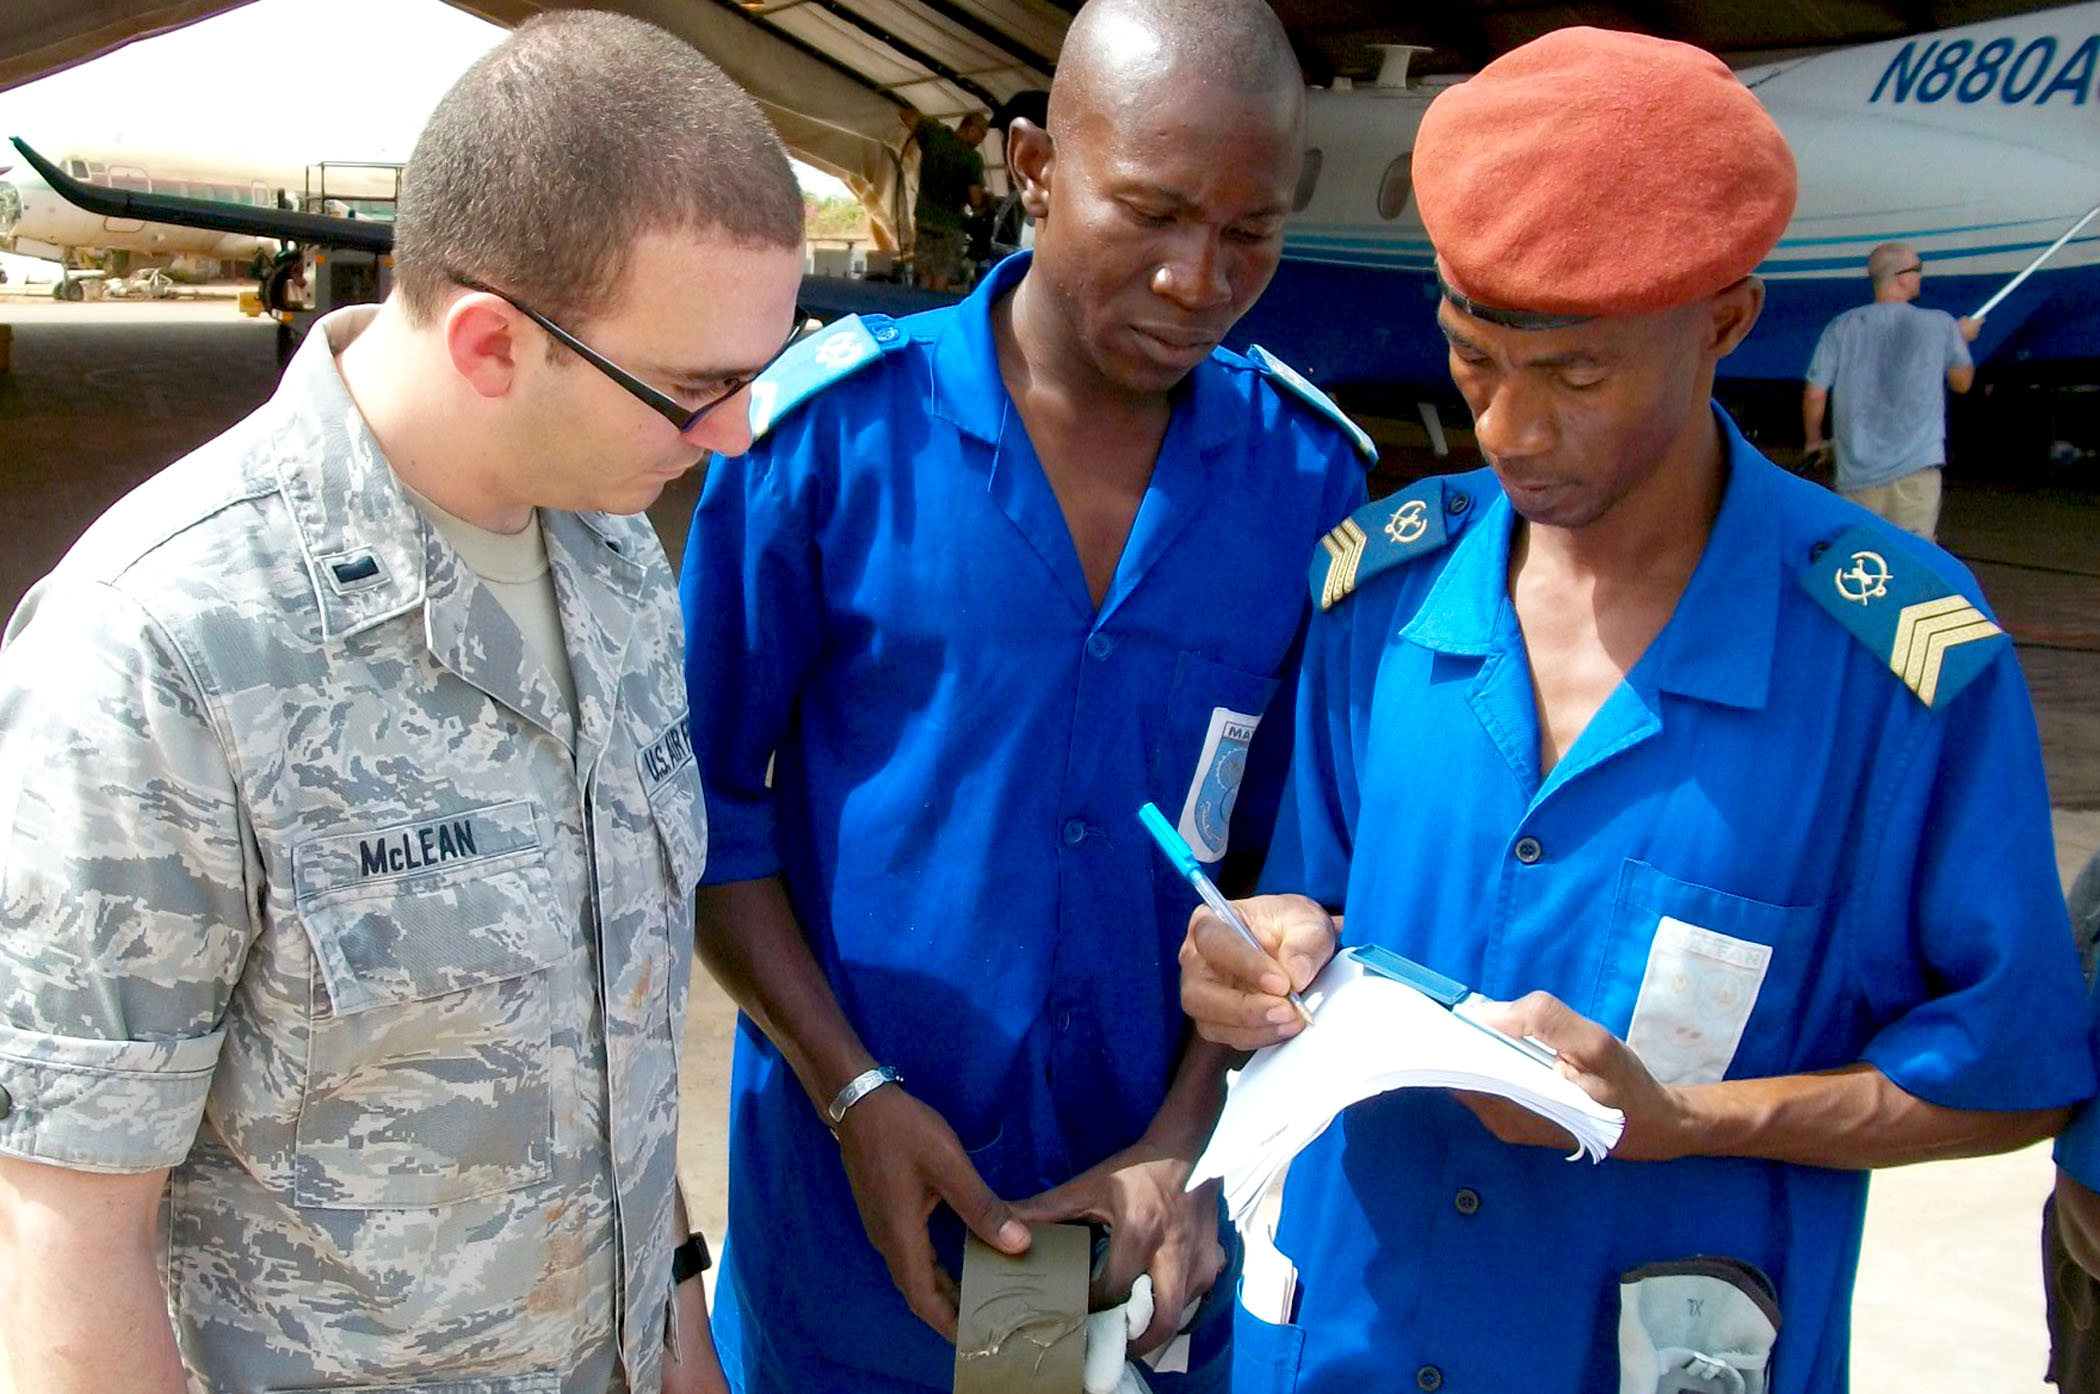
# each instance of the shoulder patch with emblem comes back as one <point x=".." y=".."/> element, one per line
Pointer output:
<point x="1931" y="635"/>
<point x="1418" y="520"/>
<point x="832" y="354"/>
<point x="1293" y="382"/>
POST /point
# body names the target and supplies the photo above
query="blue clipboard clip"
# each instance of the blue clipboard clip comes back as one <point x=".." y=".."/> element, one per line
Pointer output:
<point x="1450" y="994"/>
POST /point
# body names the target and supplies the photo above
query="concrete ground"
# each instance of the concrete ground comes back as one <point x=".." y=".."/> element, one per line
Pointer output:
<point x="1949" y="1292"/>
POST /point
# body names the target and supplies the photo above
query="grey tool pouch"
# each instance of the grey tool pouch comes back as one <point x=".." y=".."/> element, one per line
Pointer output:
<point x="1697" y="1326"/>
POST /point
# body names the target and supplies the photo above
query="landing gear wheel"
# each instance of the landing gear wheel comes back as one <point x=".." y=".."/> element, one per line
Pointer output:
<point x="68" y="290"/>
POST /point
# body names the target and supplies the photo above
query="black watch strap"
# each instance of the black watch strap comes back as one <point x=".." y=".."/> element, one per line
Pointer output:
<point x="690" y="1259"/>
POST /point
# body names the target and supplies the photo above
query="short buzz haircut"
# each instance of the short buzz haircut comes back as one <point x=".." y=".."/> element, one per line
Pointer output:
<point x="566" y="142"/>
<point x="1889" y="258"/>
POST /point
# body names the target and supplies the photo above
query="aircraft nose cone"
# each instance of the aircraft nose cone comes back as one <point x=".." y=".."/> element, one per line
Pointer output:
<point x="10" y="209"/>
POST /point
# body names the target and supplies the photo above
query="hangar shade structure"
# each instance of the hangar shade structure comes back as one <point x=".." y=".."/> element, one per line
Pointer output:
<point x="833" y="73"/>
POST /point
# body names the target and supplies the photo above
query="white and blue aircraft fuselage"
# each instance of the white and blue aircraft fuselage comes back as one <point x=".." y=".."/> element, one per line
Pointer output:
<point x="1979" y="146"/>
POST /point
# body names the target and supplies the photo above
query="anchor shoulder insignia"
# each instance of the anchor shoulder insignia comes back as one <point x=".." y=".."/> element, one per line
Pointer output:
<point x="817" y="361"/>
<point x="1932" y="635"/>
<point x="1419" y="520"/>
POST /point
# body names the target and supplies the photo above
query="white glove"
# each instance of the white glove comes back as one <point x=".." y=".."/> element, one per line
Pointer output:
<point x="1108" y="1338"/>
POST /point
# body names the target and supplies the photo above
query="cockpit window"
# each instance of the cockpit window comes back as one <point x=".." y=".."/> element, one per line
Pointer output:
<point x="1396" y="187"/>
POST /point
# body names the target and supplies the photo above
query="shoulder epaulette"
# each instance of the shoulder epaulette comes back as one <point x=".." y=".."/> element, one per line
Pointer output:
<point x="1420" y="519"/>
<point x="1293" y="382"/>
<point x="1914" y="619"/>
<point x="832" y="354"/>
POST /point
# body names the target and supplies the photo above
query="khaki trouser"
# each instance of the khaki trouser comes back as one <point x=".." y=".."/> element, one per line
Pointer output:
<point x="1912" y="503"/>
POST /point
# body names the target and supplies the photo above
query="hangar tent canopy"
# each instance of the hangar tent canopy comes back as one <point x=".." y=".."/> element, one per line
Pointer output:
<point x="833" y="73"/>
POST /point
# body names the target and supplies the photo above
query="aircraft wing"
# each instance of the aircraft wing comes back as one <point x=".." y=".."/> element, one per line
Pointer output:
<point x="360" y="233"/>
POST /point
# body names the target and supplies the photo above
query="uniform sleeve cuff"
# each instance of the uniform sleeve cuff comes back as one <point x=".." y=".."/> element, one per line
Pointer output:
<point x="108" y="1106"/>
<point x="1938" y="1070"/>
<point x="741" y="845"/>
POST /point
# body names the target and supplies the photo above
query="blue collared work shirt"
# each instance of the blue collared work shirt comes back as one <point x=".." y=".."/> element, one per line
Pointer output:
<point x="885" y="593"/>
<point x="1762" y="809"/>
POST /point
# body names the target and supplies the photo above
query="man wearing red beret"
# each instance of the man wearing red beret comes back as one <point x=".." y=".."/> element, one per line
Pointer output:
<point x="1732" y="790"/>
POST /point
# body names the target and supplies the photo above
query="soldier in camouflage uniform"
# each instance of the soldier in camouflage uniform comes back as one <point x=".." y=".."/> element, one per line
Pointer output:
<point x="346" y="899"/>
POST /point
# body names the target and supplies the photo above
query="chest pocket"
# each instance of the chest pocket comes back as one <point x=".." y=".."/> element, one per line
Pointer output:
<point x="671" y="778"/>
<point x="1692" y="972"/>
<point x="427" y="1062"/>
<point x="1201" y="760"/>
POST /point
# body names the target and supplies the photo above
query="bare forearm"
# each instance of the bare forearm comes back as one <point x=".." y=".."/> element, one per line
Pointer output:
<point x="1852" y="1119"/>
<point x="82" y="1310"/>
<point x="1190" y="1111"/>
<point x="690" y="1364"/>
<point x="750" y="941"/>
<point x="1814" y="400"/>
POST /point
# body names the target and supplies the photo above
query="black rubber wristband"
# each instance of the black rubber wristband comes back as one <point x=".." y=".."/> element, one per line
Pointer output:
<point x="690" y="1259"/>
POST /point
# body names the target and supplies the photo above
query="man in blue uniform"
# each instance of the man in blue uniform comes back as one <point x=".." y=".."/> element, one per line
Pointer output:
<point x="992" y="578"/>
<point x="1735" y="787"/>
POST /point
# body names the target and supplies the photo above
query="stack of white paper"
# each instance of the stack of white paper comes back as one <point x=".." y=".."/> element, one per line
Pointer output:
<point x="1371" y="1033"/>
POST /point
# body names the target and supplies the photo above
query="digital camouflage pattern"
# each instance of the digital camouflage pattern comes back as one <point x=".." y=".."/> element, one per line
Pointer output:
<point x="312" y="889"/>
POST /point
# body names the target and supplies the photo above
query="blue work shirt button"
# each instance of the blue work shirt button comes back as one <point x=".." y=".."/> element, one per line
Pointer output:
<point x="1467" y="1201"/>
<point x="1429" y="1379"/>
<point x="885" y="333"/>
<point x="1529" y="851"/>
<point x="1100" y="645"/>
<point x="1075" y="831"/>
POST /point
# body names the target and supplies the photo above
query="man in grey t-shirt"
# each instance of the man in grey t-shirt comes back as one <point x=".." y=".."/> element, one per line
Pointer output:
<point x="1887" y="361"/>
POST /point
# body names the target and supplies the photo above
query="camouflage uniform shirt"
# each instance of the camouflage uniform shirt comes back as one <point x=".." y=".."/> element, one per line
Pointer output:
<point x="313" y="889"/>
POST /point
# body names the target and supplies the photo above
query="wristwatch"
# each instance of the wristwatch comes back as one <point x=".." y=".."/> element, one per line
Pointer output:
<point x="858" y="1088"/>
<point x="690" y="1259"/>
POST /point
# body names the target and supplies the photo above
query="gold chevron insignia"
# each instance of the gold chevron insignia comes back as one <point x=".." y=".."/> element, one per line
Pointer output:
<point x="1345" y="552"/>
<point x="1924" y="633"/>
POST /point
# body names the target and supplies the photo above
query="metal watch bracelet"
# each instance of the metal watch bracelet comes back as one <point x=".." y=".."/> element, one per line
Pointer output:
<point x="858" y="1088"/>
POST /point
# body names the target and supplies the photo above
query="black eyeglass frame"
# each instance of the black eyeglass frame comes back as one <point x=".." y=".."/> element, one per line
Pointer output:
<point x="662" y="403"/>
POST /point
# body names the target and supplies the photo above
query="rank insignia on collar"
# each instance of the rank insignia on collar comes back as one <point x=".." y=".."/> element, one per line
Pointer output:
<point x="1926" y="632"/>
<point x="1931" y="635"/>
<point x="1345" y="553"/>
<point x="1409" y="521"/>
<point x="1867" y="579"/>
<point x="1418" y="520"/>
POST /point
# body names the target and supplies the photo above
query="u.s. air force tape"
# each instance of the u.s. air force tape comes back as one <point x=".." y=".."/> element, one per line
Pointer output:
<point x="1023" y="1326"/>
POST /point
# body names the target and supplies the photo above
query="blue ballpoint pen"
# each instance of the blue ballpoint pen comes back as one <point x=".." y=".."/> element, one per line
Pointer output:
<point x="1184" y="858"/>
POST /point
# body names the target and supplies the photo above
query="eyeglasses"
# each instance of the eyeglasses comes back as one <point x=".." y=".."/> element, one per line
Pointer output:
<point x="1914" y="269"/>
<point x="662" y="403"/>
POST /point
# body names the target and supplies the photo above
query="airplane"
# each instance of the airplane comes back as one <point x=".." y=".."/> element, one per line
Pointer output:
<point x="1977" y="145"/>
<point x="44" y="223"/>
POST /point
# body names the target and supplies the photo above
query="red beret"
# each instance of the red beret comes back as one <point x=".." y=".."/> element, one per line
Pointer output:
<point x="1593" y="172"/>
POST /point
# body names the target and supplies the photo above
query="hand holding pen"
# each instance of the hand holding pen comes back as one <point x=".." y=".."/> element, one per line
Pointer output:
<point x="1237" y="990"/>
